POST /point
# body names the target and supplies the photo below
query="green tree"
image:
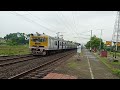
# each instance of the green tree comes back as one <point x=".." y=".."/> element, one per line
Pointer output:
<point x="95" y="43"/>
<point x="16" y="39"/>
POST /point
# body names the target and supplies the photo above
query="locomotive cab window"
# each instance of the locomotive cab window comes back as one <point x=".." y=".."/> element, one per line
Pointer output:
<point x="39" y="39"/>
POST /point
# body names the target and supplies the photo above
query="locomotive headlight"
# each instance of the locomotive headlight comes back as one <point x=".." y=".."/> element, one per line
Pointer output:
<point x="41" y="50"/>
<point x="37" y="43"/>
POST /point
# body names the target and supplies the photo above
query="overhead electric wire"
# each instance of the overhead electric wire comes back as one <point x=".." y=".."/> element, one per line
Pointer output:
<point x="76" y="32"/>
<point x="84" y="35"/>
<point x="86" y="31"/>
<point x="74" y="23"/>
<point x="85" y="38"/>
<point x="58" y="20"/>
<point x="68" y="28"/>
<point x="14" y="13"/>
<point x="34" y="22"/>
<point x="39" y="19"/>
<point x="63" y="21"/>
<point x="76" y="27"/>
<point x="45" y="22"/>
<point x="42" y="20"/>
<point x="67" y="23"/>
<point x="31" y="21"/>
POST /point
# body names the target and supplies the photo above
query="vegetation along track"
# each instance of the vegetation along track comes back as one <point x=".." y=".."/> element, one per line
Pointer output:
<point x="43" y="69"/>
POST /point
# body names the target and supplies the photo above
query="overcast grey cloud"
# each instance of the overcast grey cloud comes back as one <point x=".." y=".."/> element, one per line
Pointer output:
<point x="74" y="25"/>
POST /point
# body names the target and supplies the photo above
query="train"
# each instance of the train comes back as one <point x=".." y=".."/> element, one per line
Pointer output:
<point x="42" y="44"/>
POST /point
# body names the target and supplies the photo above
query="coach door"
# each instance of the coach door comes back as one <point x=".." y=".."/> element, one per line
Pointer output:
<point x="62" y="45"/>
<point x="58" y="44"/>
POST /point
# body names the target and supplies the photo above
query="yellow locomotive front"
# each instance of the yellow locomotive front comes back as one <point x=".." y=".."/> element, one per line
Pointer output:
<point x="38" y="44"/>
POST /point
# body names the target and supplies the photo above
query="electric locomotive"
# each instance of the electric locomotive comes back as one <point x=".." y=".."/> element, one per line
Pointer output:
<point x="41" y="44"/>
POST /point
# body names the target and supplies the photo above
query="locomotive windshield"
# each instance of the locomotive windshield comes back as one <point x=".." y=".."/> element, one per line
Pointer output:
<point x="41" y="39"/>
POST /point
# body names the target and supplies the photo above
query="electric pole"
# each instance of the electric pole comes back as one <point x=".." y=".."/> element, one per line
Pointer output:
<point x="100" y="39"/>
<point x="116" y="33"/>
<point x="91" y="42"/>
<point x="57" y="34"/>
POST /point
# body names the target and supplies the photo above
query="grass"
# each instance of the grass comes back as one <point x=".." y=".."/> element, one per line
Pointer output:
<point x="72" y="65"/>
<point x="111" y="53"/>
<point x="116" y="71"/>
<point x="110" y="65"/>
<point x="14" y="50"/>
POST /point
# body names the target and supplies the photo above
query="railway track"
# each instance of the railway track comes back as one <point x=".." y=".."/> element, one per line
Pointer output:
<point x="16" y="60"/>
<point x="13" y="60"/>
<point x="7" y="71"/>
<point x="42" y="69"/>
<point x="6" y="58"/>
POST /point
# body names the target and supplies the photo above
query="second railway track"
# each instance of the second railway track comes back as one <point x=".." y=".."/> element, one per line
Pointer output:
<point x="15" y="69"/>
<point x="6" y="58"/>
<point x="14" y="60"/>
<point x="42" y="69"/>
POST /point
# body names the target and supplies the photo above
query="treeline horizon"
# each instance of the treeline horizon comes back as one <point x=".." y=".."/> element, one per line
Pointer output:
<point x="16" y="39"/>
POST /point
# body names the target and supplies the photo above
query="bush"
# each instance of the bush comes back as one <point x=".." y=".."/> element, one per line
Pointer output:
<point x="108" y="48"/>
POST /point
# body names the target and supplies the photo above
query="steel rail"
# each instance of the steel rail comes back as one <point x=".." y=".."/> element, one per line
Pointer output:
<point x="38" y="67"/>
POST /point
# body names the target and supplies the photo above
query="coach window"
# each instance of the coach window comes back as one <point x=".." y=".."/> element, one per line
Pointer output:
<point x="55" y="42"/>
<point x="60" y="43"/>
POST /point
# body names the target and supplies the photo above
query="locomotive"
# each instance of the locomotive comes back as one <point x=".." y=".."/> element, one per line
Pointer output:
<point x="41" y="44"/>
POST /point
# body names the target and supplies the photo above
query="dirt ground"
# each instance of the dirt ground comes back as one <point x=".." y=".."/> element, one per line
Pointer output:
<point x="88" y="67"/>
<point x="74" y="67"/>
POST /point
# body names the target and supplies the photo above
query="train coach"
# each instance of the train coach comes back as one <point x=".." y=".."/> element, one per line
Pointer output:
<point x="43" y="44"/>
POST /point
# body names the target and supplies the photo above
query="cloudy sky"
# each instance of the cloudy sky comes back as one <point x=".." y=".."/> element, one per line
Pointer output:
<point x="73" y="25"/>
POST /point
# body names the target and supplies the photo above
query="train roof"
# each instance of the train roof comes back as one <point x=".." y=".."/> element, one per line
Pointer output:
<point x="53" y="37"/>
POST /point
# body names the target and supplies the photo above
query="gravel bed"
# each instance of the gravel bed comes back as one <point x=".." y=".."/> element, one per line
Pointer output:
<point x="11" y="70"/>
<point x="11" y="57"/>
<point x="18" y="59"/>
<point x="40" y="73"/>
